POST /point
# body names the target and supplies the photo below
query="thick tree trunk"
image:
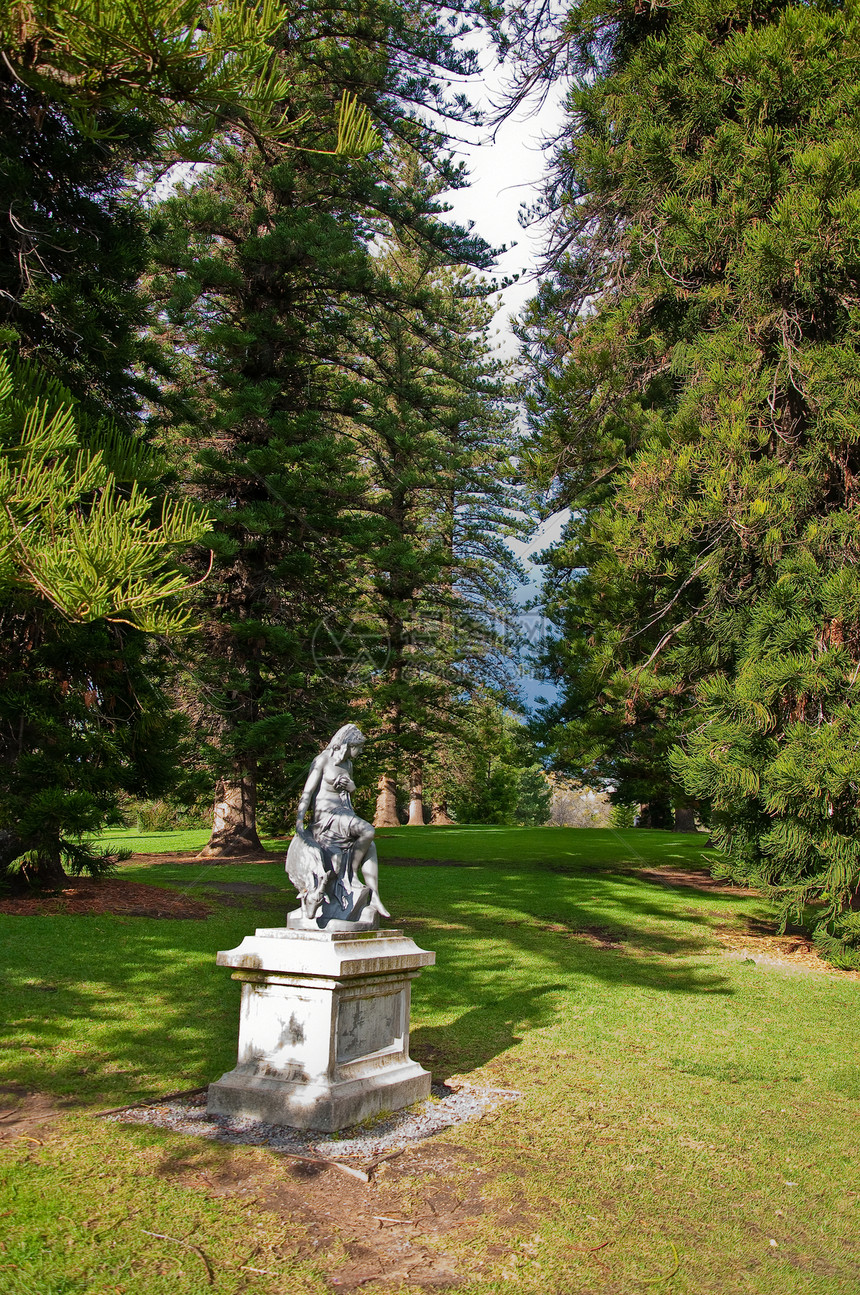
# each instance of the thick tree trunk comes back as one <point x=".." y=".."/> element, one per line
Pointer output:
<point x="439" y="816"/>
<point x="386" y="803"/>
<point x="655" y="813"/>
<point x="685" y="818"/>
<point x="416" y="796"/>
<point x="234" y="826"/>
<point x="46" y="870"/>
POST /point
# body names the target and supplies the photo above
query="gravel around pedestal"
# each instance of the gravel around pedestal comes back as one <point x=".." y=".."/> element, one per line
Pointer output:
<point x="379" y="1137"/>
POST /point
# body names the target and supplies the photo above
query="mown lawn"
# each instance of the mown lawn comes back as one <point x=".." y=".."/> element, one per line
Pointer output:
<point x="688" y="1121"/>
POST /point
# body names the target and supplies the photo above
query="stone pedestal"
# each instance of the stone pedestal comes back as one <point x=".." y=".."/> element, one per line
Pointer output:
<point x="323" y="1028"/>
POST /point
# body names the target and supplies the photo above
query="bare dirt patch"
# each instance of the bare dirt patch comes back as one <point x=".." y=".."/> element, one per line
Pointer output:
<point x="192" y="857"/>
<point x="407" y="1225"/>
<point x="26" y="1116"/>
<point x="690" y="877"/>
<point x="756" y="940"/>
<point x="108" y="896"/>
<point x="599" y="937"/>
<point x="387" y="1202"/>
<point x="116" y="897"/>
<point x="796" y="951"/>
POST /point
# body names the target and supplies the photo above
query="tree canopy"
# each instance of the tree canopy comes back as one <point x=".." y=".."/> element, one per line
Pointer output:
<point x="259" y="463"/>
<point x="694" y="367"/>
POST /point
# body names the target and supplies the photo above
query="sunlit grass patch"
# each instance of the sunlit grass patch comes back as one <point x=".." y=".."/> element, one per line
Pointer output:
<point x="673" y="1100"/>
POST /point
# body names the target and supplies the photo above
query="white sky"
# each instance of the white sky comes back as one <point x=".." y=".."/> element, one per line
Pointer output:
<point x="506" y="173"/>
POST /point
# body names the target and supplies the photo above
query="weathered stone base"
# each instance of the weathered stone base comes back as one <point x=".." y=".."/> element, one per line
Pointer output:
<point x="324" y="1028"/>
<point x="317" y="1106"/>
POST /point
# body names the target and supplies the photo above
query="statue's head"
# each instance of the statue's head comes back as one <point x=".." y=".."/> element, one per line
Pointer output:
<point x="348" y="738"/>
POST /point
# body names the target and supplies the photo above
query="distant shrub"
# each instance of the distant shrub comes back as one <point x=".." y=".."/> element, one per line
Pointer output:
<point x="162" y="816"/>
<point x="623" y="816"/>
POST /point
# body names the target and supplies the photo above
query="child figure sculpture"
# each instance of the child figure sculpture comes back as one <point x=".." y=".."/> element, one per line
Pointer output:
<point x="323" y="863"/>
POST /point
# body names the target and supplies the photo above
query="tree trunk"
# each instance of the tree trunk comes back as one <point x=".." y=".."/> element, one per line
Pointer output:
<point x="685" y="818"/>
<point x="234" y="827"/>
<point x="46" y="870"/>
<point x="655" y="813"/>
<point x="386" y="804"/>
<point x="416" y="796"/>
<point x="439" y="816"/>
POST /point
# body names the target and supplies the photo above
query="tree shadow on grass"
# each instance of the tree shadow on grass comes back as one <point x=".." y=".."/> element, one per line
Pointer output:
<point x="112" y="1010"/>
<point x="683" y="930"/>
<point x="483" y="1033"/>
<point x="555" y="967"/>
<point x="109" y="1011"/>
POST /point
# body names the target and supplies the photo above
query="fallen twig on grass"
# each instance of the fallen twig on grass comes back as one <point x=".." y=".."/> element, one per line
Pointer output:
<point x="188" y="1246"/>
<point x="590" y="1251"/>
<point x="361" y="1174"/>
<point x="328" y="1163"/>
<point x="663" y="1277"/>
<point x="378" y="1160"/>
<point x="150" y="1101"/>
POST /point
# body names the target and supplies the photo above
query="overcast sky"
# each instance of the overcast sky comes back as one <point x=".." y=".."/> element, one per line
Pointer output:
<point x="506" y="174"/>
<point x="506" y="169"/>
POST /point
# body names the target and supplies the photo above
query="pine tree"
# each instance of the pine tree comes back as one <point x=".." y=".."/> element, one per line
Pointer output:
<point x="191" y="69"/>
<point x="614" y="725"/>
<point x="271" y="284"/>
<point x="261" y="267"/>
<point x="716" y="144"/>
<point x="88" y="92"/>
<point x="85" y="580"/>
<point x="436" y="445"/>
<point x="489" y="772"/>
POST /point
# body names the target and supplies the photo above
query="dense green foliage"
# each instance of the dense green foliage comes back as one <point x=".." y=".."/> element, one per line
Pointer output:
<point x="701" y="414"/>
<point x="88" y="93"/>
<point x="190" y="69"/>
<point x="490" y="773"/>
<point x="262" y="267"/>
<point x="436" y="445"/>
<point x="75" y="529"/>
<point x="346" y="428"/>
<point x="84" y="577"/>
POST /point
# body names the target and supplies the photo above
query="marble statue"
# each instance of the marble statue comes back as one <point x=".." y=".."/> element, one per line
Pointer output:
<point x="324" y="1017"/>
<point x="323" y="863"/>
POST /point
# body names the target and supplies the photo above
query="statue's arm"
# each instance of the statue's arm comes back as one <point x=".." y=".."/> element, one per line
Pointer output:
<point x="311" y="788"/>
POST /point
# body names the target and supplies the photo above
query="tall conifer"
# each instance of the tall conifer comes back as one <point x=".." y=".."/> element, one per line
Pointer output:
<point x="271" y="283"/>
<point x="88" y="92"/>
<point x="436" y="449"/>
<point x="707" y="199"/>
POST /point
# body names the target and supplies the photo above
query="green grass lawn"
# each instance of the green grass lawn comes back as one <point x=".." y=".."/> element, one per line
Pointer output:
<point x="688" y="1121"/>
